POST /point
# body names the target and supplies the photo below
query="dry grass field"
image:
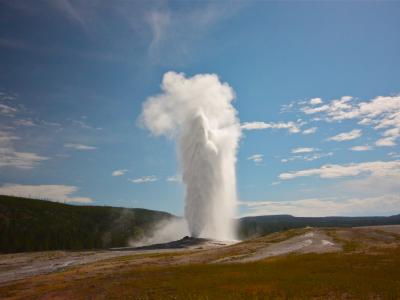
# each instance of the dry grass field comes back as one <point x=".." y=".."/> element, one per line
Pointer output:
<point x="351" y="263"/>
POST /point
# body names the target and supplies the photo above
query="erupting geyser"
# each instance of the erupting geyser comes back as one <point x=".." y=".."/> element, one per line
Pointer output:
<point x="197" y="112"/>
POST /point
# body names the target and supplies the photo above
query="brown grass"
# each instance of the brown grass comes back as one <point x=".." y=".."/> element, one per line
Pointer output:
<point x="352" y="274"/>
<point x="320" y="276"/>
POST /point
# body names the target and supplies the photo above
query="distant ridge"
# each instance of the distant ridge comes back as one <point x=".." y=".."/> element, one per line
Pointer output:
<point x="260" y="225"/>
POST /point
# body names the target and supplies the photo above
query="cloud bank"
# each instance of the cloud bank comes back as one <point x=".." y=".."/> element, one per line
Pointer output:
<point x="375" y="168"/>
<point x="51" y="192"/>
<point x="381" y="205"/>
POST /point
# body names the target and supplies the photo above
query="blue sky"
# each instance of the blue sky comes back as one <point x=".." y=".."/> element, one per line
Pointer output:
<point x="321" y="79"/>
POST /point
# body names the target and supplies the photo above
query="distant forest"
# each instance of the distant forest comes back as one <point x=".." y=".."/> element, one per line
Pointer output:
<point x="260" y="225"/>
<point x="38" y="225"/>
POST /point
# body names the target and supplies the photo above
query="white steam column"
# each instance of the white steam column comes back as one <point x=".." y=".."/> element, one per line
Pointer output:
<point x="197" y="113"/>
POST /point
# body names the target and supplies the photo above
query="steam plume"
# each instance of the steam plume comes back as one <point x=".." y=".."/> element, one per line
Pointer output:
<point x="197" y="112"/>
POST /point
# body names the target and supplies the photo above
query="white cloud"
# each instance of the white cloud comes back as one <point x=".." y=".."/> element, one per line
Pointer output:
<point x="7" y="110"/>
<point x="334" y="108"/>
<point x="79" y="146"/>
<point x="385" y="142"/>
<point x="375" y="168"/>
<point x="381" y="112"/>
<point x="361" y="148"/>
<point x="303" y="150"/>
<point x="287" y="107"/>
<point x="175" y="178"/>
<point x="144" y="179"/>
<point x="292" y="127"/>
<point x="20" y="160"/>
<point x="52" y="192"/>
<point x="390" y="137"/>
<point x="312" y="110"/>
<point x="381" y="205"/>
<point x="10" y="157"/>
<point x="315" y="101"/>
<point x="308" y="157"/>
<point x="119" y="172"/>
<point x="257" y="158"/>
<point x="385" y="107"/>
<point x="7" y="96"/>
<point x="310" y="130"/>
<point x="346" y="136"/>
<point x="24" y="122"/>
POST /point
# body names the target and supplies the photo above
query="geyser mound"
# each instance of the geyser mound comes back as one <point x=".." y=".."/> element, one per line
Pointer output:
<point x="197" y="113"/>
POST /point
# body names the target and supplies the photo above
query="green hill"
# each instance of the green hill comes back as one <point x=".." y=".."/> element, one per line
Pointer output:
<point x="33" y="225"/>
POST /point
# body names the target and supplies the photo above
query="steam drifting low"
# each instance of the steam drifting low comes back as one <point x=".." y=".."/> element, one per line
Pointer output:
<point x="197" y="113"/>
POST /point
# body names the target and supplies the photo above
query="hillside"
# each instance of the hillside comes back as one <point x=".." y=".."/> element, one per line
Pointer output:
<point x="260" y="225"/>
<point x="33" y="225"/>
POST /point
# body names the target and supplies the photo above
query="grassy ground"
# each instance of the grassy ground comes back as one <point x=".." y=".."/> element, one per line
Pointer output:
<point x="368" y="268"/>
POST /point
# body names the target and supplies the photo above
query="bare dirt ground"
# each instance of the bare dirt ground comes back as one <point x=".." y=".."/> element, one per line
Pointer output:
<point x="23" y="274"/>
<point x="23" y="265"/>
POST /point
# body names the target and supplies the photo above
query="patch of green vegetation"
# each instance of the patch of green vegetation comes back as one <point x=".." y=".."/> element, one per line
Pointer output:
<point x="36" y="225"/>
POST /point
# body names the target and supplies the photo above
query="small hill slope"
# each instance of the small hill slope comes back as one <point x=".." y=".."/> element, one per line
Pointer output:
<point x="35" y="225"/>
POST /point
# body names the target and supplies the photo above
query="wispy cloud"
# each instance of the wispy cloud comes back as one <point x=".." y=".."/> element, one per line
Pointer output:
<point x="303" y="150"/>
<point x="307" y="157"/>
<point x="375" y="168"/>
<point x="71" y="10"/>
<point x="390" y="137"/>
<point x="310" y="130"/>
<point x="119" y="172"/>
<point x="381" y="112"/>
<point x="52" y="192"/>
<point x="346" y="136"/>
<point x="7" y="110"/>
<point x="256" y="158"/>
<point x="167" y="32"/>
<point x="381" y="205"/>
<point x="361" y="148"/>
<point x="174" y="32"/>
<point x="144" y="179"/>
<point x="7" y="96"/>
<point x="292" y="127"/>
<point x="175" y="178"/>
<point x="79" y="146"/>
<point x="10" y="157"/>
<point x="315" y="101"/>
<point x="25" y="122"/>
